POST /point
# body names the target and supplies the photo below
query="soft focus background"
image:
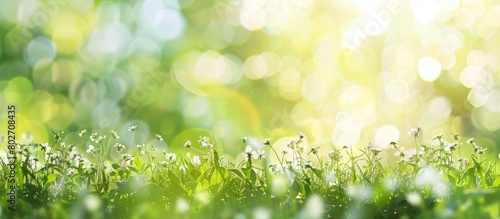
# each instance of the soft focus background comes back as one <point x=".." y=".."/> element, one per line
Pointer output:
<point x="343" y="72"/>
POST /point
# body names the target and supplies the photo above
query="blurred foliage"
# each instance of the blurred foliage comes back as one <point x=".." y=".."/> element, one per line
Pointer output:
<point x="341" y="71"/>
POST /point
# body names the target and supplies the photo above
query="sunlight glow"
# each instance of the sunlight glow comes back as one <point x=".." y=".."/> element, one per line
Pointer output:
<point x="429" y="69"/>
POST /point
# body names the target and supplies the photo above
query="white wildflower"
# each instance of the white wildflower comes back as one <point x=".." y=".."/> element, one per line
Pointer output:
<point x="82" y="133"/>
<point x="159" y="137"/>
<point x="196" y="161"/>
<point x="249" y="153"/>
<point x="171" y="157"/>
<point x="205" y="142"/>
<point x="114" y="135"/>
<point x="414" y="132"/>
<point x="132" y="128"/>
<point x="90" y="149"/>
<point x="187" y="144"/>
<point x="119" y="147"/>
<point x="302" y="135"/>
<point x="261" y="154"/>
<point x="470" y="141"/>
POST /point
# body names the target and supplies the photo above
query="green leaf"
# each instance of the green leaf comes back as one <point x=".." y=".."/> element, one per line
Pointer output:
<point x="497" y="182"/>
<point x="51" y="178"/>
<point x="237" y="173"/>
<point x="216" y="178"/>
<point x="319" y="173"/>
<point x="138" y="163"/>
<point x="216" y="160"/>
<point x="174" y="178"/>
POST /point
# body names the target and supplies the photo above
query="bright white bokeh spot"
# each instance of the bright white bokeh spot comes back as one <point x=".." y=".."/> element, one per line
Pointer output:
<point x="325" y="59"/>
<point x="314" y="208"/>
<point x="450" y="39"/>
<point x="491" y="121"/>
<point x="279" y="186"/>
<point x="493" y="103"/>
<point x="110" y="38"/>
<point x="346" y="133"/>
<point x="162" y="19"/>
<point x="367" y="6"/>
<point x="429" y="69"/>
<point x="359" y="193"/>
<point x="478" y="96"/>
<point x="439" y="107"/>
<point x="314" y="89"/>
<point x="397" y="91"/>
<point x="182" y="205"/>
<point x="196" y="107"/>
<point x="353" y="38"/>
<point x="106" y="113"/>
<point x="92" y="203"/>
<point x="424" y="10"/>
<point x="144" y="55"/>
<point x="385" y="135"/>
<point x="449" y="5"/>
<point x="252" y="18"/>
<point x="262" y="213"/>
<point x="261" y="66"/>
<point x="446" y="58"/>
<point x="213" y="67"/>
<point x="477" y="58"/>
<point x="431" y="178"/>
<point x="39" y="49"/>
<point x="472" y="76"/>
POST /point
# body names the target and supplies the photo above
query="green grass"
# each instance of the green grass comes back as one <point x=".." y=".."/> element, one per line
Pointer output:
<point x="434" y="180"/>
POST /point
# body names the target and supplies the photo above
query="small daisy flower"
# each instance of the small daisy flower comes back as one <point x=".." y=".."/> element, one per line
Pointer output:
<point x="187" y="144"/>
<point x="132" y="128"/>
<point x="90" y="149"/>
<point x="249" y="153"/>
<point x="114" y="135"/>
<point x="470" y="141"/>
<point x="244" y="140"/>
<point x="159" y="137"/>
<point x="415" y="132"/>
<point x="82" y="133"/>
<point x="93" y="137"/>
<point x="205" y="142"/>
<point x="119" y="147"/>
<point x="196" y="161"/>
<point x="267" y="141"/>
<point x="261" y="154"/>
<point x="302" y="135"/>
<point x="44" y="146"/>
<point x="171" y="157"/>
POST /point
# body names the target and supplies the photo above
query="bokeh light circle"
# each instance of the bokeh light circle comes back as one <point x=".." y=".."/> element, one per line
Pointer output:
<point x="429" y="69"/>
<point x="385" y="135"/>
<point x="39" y="49"/>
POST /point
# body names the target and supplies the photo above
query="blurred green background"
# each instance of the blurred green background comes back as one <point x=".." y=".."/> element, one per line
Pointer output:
<point x="346" y="72"/>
